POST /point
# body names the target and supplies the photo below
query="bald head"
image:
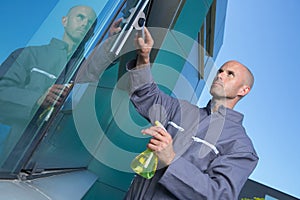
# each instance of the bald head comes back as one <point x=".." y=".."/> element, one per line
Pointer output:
<point x="232" y="82"/>
<point x="79" y="25"/>
<point x="86" y="9"/>
<point x="248" y="76"/>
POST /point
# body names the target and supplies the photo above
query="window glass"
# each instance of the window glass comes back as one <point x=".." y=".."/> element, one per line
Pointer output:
<point x="37" y="79"/>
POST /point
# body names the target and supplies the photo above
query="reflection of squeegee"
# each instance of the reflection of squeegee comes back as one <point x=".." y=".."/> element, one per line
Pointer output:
<point x="135" y="20"/>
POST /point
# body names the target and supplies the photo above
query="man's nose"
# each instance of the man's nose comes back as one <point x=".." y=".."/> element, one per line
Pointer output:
<point x="84" y="22"/>
<point x="220" y="75"/>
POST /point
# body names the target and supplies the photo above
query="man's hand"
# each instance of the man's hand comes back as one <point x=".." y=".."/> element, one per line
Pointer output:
<point x="161" y="143"/>
<point x="54" y="95"/>
<point x="143" y="46"/>
<point x="115" y="27"/>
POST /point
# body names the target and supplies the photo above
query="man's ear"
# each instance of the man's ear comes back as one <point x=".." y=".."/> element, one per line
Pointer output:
<point x="64" y="20"/>
<point x="244" y="90"/>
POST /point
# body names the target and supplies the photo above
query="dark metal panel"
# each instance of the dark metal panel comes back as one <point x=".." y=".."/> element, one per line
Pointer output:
<point x="253" y="189"/>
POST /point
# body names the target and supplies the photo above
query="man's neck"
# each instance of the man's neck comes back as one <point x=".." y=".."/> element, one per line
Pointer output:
<point x="216" y="103"/>
<point x="72" y="46"/>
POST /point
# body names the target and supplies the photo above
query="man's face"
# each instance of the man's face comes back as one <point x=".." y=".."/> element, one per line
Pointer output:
<point x="78" y="22"/>
<point x="229" y="81"/>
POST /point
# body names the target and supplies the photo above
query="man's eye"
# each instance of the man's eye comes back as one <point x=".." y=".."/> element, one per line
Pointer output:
<point x="230" y="74"/>
<point x="80" y="17"/>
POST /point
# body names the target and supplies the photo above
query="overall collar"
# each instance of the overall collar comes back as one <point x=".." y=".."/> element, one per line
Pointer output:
<point x="225" y="112"/>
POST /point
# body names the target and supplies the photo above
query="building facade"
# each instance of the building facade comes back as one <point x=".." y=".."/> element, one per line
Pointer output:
<point x="83" y="148"/>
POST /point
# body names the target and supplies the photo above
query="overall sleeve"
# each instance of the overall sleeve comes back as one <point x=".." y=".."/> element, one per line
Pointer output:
<point x="149" y="101"/>
<point x="98" y="61"/>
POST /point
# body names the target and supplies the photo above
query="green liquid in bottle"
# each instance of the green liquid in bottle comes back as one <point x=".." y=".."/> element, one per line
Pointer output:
<point x="145" y="164"/>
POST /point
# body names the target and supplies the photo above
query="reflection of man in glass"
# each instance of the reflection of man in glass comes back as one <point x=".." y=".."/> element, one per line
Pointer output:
<point x="35" y="76"/>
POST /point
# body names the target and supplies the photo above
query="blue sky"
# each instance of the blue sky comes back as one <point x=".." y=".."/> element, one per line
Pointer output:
<point x="265" y="36"/>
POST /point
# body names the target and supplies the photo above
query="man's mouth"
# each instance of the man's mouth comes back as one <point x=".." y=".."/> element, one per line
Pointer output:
<point x="218" y="83"/>
<point x="81" y="31"/>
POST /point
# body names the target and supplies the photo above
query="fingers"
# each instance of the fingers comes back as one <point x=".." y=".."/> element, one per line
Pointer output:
<point x="117" y="23"/>
<point x="56" y="89"/>
<point x="53" y="98"/>
<point x="161" y="143"/>
<point x="144" y="42"/>
<point x="160" y="138"/>
<point x="143" y="46"/>
<point x="56" y="94"/>
<point x="59" y="90"/>
<point x="155" y="131"/>
<point x="115" y="28"/>
<point x="148" y="37"/>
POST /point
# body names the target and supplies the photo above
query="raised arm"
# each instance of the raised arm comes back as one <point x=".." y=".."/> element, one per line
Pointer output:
<point x="148" y="99"/>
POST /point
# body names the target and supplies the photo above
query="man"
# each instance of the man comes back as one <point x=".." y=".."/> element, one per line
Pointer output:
<point x="212" y="157"/>
<point x="34" y="69"/>
<point x="36" y="76"/>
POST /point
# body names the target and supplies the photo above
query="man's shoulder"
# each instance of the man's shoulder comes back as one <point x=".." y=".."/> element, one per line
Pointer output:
<point x="53" y="44"/>
<point x="9" y="61"/>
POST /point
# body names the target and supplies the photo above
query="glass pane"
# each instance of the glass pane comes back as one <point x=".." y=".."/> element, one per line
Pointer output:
<point x="37" y="78"/>
<point x="42" y="82"/>
<point x="65" y="145"/>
